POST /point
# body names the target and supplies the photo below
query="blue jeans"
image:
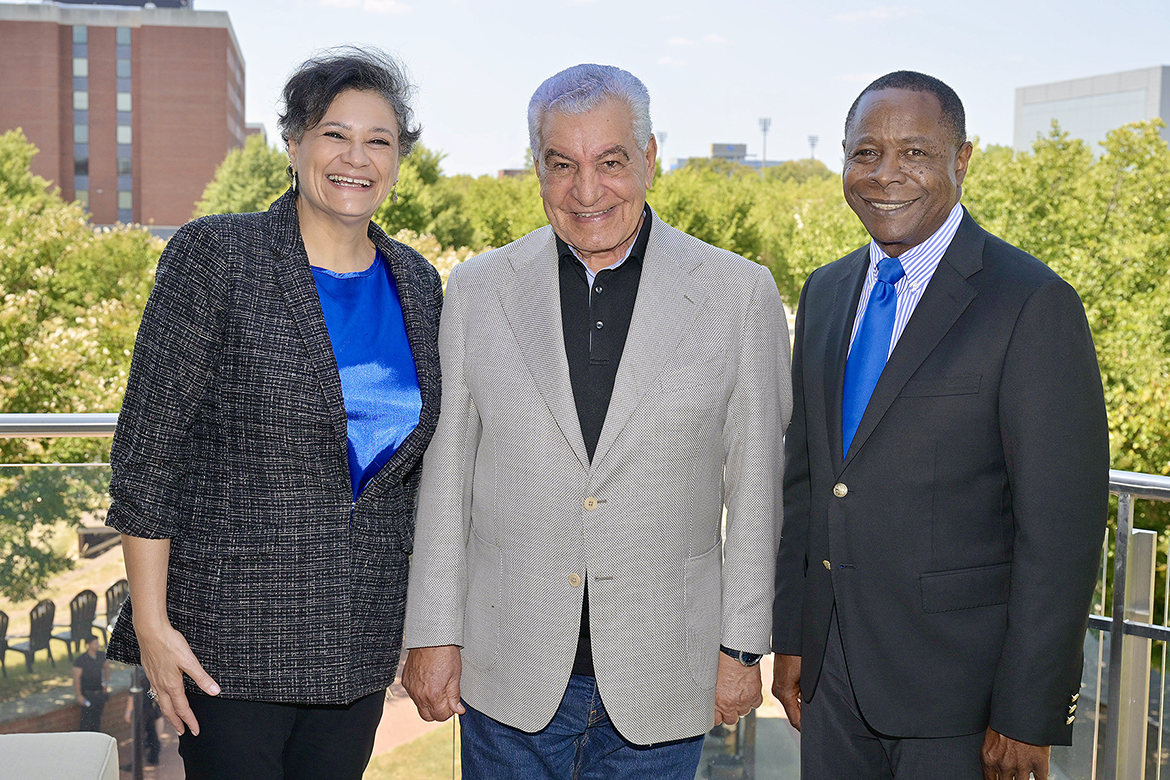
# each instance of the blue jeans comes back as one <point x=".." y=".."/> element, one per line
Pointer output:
<point x="579" y="744"/>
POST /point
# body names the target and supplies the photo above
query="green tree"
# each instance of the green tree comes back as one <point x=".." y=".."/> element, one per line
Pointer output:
<point x="71" y="298"/>
<point x="249" y="179"/>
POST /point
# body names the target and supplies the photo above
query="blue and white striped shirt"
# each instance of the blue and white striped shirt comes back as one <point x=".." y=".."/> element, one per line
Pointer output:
<point x="919" y="263"/>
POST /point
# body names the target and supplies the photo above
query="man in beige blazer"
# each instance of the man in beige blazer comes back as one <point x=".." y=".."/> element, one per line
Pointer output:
<point x="611" y="387"/>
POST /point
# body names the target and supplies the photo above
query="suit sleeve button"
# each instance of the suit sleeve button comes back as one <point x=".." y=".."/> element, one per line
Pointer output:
<point x="828" y="566"/>
<point x="840" y="490"/>
<point x="575" y="579"/>
<point x="1071" y="718"/>
<point x="591" y="503"/>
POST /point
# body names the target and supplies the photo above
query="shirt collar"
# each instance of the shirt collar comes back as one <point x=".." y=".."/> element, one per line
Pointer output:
<point x="920" y="261"/>
<point x="635" y="253"/>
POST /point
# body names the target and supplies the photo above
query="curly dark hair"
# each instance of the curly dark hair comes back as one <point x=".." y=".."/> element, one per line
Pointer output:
<point x="952" y="108"/>
<point x="311" y="89"/>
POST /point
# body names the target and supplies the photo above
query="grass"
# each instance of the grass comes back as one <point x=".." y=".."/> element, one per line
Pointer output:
<point x="430" y="757"/>
<point x="96" y="574"/>
<point x="19" y="683"/>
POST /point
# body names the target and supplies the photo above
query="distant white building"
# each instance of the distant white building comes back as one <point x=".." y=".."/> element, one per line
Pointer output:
<point x="1089" y="108"/>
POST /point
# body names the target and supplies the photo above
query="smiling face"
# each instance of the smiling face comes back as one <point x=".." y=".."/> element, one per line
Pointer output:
<point x="594" y="179"/>
<point x="903" y="171"/>
<point x="348" y="162"/>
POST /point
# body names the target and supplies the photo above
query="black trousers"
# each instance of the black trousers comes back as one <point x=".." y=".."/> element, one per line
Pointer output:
<point x="836" y="741"/>
<point x="266" y="741"/>
<point x="91" y="716"/>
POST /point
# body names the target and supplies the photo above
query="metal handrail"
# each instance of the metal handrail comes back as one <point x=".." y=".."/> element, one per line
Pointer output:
<point x="41" y="426"/>
<point x="1151" y="486"/>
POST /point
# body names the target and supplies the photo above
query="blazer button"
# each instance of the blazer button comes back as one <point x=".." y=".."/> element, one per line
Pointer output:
<point x="1071" y="718"/>
<point x="591" y="503"/>
<point x="575" y="579"/>
<point x="1075" y="696"/>
<point x="828" y="566"/>
<point x="1072" y="708"/>
<point x="840" y="490"/>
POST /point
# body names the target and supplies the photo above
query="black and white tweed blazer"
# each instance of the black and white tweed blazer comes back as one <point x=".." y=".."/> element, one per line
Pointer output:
<point x="232" y="443"/>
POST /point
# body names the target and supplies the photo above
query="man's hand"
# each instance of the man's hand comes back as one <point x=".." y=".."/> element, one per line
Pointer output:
<point x="738" y="690"/>
<point x="431" y="677"/>
<point x="1007" y="759"/>
<point x="786" y="685"/>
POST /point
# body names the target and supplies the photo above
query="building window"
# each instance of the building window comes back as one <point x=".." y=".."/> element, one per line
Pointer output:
<point x="123" y="101"/>
<point x="123" y="69"/>
<point x="80" y="101"/>
<point x="80" y="34"/>
<point x="125" y="167"/>
<point x="123" y="36"/>
<point x="80" y="67"/>
<point x="82" y="197"/>
<point x="124" y="134"/>
<point x="81" y="166"/>
<point x="125" y="200"/>
<point x="81" y="134"/>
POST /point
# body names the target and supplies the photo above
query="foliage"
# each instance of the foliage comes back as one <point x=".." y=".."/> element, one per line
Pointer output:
<point x="248" y="179"/>
<point x="1104" y="225"/>
<point x="70" y="301"/>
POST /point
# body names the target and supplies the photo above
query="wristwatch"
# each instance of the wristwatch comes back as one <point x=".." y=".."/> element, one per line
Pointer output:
<point x="747" y="659"/>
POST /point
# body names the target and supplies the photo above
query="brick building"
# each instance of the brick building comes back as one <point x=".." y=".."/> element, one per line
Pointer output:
<point x="131" y="107"/>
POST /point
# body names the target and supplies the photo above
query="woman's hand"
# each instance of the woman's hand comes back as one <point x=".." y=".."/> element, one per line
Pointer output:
<point x="165" y="657"/>
<point x="165" y="652"/>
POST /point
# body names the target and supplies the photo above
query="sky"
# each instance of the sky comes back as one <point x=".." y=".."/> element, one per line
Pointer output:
<point x="713" y="69"/>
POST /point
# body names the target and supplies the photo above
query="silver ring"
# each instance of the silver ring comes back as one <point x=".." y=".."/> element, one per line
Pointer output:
<point x="152" y="695"/>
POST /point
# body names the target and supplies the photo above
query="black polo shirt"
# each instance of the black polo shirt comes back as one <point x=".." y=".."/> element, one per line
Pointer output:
<point x="595" y="324"/>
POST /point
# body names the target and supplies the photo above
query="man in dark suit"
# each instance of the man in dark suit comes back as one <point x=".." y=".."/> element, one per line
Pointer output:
<point x="946" y="476"/>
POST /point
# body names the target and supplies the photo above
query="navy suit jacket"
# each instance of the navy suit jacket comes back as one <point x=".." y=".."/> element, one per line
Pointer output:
<point x="960" y="536"/>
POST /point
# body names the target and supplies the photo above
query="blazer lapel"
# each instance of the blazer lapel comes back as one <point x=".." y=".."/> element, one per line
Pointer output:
<point x="836" y="346"/>
<point x="300" y="293"/>
<point x="420" y="328"/>
<point x="668" y="301"/>
<point x="947" y="296"/>
<point x="531" y="301"/>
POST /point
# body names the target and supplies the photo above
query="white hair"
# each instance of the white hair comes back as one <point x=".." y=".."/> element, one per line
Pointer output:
<point x="582" y="88"/>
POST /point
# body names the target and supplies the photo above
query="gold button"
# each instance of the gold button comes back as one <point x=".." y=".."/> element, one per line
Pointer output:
<point x="828" y="565"/>
<point x="1071" y="718"/>
<point x="1075" y="696"/>
<point x="840" y="490"/>
<point x="1072" y="708"/>
<point x="591" y="503"/>
<point x="575" y="579"/>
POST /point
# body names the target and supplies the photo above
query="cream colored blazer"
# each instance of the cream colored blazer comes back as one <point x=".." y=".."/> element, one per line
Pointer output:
<point x="513" y="517"/>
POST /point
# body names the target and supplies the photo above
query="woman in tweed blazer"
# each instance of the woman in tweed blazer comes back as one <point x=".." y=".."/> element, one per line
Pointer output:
<point x="268" y="581"/>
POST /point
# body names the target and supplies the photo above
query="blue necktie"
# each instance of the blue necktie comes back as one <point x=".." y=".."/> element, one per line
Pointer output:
<point x="871" y="347"/>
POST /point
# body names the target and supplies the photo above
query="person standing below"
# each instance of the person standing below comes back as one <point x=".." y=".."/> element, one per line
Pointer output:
<point x="610" y="385"/>
<point x="946" y="484"/>
<point x="91" y="678"/>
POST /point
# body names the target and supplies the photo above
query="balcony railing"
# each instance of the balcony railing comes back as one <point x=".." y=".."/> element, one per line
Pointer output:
<point x="1122" y="732"/>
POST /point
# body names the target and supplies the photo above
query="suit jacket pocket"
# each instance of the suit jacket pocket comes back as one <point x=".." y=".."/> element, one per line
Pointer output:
<point x="702" y="595"/>
<point x="481" y="616"/>
<point x="980" y="586"/>
<point x="960" y="384"/>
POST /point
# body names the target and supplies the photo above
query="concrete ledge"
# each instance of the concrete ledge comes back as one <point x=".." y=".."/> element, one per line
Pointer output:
<point x="72" y="756"/>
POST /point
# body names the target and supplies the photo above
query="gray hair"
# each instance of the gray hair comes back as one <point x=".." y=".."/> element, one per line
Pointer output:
<point x="311" y="89"/>
<point x="582" y="88"/>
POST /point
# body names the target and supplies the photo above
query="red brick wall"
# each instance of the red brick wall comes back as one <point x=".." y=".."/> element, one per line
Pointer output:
<point x="31" y="62"/>
<point x="68" y="718"/>
<point x="182" y="117"/>
<point x="103" y="123"/>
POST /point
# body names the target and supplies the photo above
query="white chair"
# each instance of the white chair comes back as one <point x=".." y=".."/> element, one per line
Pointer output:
<point x="74" y="755"/>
